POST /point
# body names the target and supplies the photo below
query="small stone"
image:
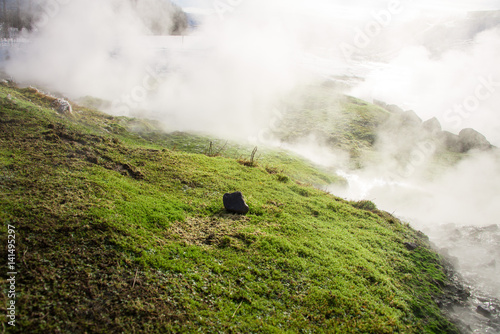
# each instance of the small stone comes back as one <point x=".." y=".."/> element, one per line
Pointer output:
<point x="235" y="203"/>
<point x="410" y="246"/>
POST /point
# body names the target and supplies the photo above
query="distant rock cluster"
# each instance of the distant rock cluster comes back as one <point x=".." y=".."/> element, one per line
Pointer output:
<point x="465" y="141"/>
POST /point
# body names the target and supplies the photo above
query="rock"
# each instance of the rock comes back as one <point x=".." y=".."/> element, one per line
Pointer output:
<point x="491" y="228"/>
<point x="451" y="142"/>
<point x="394" y="109"/>
<point x="62" y="106"/>
<point x="484" y="311"/>
<point x="380" y="103"/>
<point x="235" y="203"/>
<point x="432" y="126"/>
<point x="471" y="139"/>
<point x="410" y="118"/>
<point x="410" y="246"/>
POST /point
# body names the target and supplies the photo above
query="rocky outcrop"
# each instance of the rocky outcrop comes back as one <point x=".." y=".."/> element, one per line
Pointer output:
<point x="410" y="125"/>
<point x="467" y="140"/>
<point x="470" y="139"/>
<point x="451" y="141"/>
<point x="392" y="108"/>
<point x="410" y="118"/>
<point x="432" y="126"/>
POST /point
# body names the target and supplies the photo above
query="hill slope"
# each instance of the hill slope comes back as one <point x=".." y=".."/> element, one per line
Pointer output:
<point x="366" y="135"/>
<point x="118" y="234"/>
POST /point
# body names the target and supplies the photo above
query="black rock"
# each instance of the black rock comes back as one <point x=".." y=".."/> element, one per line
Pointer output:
<point x="235" y="203"/>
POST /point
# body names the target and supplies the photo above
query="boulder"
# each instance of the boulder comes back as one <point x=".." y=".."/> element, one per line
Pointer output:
<point x="484" y="311"/>
<point x="451" y="142"/>
<point x="62" y="106"/>
<point x="235" y="203"/>
<point x="410" y="118"/>
<point x="470" y="139"/>
<point x="432" y="126"/>
<point x="394" y="109"/>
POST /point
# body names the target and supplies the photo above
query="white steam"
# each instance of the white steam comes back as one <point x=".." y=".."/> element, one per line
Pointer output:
<point x="227" y="77"/>
<point x="460" y="87"/>
<point x="467" y="194"/>
<point x="83" y="48"/>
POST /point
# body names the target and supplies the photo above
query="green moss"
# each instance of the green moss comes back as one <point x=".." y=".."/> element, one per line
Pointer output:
<point x="118" y="232"/>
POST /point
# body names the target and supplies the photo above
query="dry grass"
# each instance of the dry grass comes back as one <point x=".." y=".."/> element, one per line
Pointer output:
<point x="208" y="231"/>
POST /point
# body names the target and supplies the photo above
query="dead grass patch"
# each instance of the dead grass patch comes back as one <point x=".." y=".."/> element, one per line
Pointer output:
<point x="208" y="231"/>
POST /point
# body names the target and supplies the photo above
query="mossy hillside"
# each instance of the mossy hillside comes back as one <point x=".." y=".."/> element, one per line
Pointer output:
<point x="149" y="132"/>
<point x="116" y="234"/>
<point x="338" y="121"/>
<point x="370" y="134"/>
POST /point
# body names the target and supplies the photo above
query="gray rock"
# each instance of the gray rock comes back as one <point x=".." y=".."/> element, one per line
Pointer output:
<point x="394" y="109"/>
<point x="471" y="139"/>
<point x="410" y="118"/>
<point x="235" y="203"/>
<point x="410" y="246"/>
<point x="451" y="142"/>
<point x="432" y="126"/>
<point x="62" y="106"/>
<point x="484" y="311"/>
<point x="491" y="228"/>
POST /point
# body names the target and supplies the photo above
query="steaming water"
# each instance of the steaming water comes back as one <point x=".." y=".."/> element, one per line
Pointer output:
<point x="473" y="249"/>
<point x="471" y="242"/>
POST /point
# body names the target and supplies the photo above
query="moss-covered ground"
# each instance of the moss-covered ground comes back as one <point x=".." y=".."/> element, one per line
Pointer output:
<point x="117" y="232"/>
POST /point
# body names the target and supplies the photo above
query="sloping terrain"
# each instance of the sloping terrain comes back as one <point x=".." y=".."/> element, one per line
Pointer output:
<point x="369" y="134"/>
<point x="118" y="233"/>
